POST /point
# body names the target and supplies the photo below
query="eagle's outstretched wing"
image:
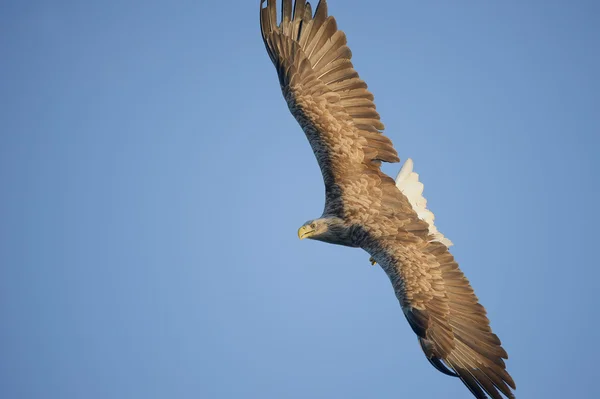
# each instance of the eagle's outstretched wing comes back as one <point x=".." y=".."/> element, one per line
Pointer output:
<point x="442" y="309"/>
<point x="440" y="304"/>
<point x="323" y="91"/>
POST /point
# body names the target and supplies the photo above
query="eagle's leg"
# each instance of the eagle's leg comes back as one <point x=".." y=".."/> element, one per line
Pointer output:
<point x="373" y="262"/>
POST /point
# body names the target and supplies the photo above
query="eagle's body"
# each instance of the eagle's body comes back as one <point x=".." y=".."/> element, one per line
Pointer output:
<point x="366" y="208"/>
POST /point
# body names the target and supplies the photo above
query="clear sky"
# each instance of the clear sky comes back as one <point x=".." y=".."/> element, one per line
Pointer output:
<point x="153" y="182"/>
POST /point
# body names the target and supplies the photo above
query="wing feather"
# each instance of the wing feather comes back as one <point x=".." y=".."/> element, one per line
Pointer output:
<point x="319" y="18"/>
<point x="314" y="59"/>
<point x="286" y="17"/>
<point x="299" y="8"/>
<point x="444" y="312"/>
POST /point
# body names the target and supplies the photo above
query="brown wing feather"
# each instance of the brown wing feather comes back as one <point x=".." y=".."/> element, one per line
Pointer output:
<point x="444" y="312"/>
<point x="312" y="58"/>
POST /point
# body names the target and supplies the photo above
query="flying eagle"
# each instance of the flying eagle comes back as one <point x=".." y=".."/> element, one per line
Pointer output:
<point x="365" y="208"/>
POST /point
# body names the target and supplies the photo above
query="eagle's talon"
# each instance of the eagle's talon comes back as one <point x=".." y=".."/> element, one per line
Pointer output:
<point x="373" y="261"/>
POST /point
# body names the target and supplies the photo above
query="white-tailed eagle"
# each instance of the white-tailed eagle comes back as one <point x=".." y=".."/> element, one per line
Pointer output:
<point x="366" y="208"/>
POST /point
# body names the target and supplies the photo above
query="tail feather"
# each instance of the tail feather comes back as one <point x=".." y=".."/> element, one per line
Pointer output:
<point x="408" y="182"/>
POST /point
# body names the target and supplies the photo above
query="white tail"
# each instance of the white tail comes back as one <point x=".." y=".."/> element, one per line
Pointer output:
<point x="408" y="182"/>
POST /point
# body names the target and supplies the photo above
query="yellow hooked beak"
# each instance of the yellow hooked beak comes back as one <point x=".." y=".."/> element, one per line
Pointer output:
<point x="304" y="232"/>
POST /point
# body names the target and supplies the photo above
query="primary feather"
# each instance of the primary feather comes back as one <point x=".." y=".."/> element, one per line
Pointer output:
<point x="366" y="208"/>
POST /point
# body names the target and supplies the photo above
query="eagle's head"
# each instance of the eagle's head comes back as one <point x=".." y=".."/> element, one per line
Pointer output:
<point x="313" y="229"/>
<point x="328" y="229"/>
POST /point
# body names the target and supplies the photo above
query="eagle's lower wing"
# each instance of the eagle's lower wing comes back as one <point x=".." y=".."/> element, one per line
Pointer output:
<point x="444" y="312"/>
<point x="323" y="91"/>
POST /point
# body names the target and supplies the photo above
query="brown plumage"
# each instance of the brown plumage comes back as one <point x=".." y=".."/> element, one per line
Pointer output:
<point x="366" y="208"/>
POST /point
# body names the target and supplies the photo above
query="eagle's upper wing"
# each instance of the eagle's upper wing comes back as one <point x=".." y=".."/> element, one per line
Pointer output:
<point x="444" y="312"/>
<point x="323" y="91"/>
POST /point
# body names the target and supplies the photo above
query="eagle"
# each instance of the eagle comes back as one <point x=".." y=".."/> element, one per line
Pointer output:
<point x="365" y="208"/>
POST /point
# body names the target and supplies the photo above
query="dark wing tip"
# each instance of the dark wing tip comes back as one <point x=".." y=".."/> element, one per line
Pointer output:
<point x="434" y="360"/>
<point x="480" y="379"/>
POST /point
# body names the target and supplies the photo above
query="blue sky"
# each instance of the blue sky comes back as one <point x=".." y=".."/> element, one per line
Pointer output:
<point x="153" y="182"/>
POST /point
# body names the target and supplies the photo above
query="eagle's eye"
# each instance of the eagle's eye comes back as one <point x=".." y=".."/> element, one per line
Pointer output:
<point x="312" y="226"/>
